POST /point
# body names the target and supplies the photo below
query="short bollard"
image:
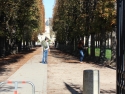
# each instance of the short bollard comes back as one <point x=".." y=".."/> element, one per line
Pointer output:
<point x="91" y="82"/>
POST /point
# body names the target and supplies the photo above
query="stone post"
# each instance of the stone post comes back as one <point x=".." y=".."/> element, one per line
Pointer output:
<point x="91" y="82"/>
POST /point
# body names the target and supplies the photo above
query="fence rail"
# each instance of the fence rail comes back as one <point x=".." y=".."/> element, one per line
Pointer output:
<point x="120" y="47"/>
<point x="16" y="85"/>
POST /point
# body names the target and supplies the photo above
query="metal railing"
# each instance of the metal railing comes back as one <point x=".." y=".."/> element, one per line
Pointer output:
<point x="16" y="85"/>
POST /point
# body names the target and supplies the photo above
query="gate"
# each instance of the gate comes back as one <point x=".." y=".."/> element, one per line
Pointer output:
<point x="120" y="82"/>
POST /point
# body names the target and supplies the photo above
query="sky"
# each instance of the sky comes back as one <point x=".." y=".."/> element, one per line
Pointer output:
<point x="48" y="5"/>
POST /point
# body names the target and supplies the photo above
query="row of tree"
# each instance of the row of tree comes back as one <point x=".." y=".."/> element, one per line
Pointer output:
<point x="20" y="23"/>
<point x="75" y="19"/>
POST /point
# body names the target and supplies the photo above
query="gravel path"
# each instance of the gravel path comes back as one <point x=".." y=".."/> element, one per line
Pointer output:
<point x="65" y="75"/>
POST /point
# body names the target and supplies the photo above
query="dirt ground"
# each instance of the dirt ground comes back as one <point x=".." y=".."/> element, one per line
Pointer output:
<point x="65" y="73"/>
<point x="11" y="63"/>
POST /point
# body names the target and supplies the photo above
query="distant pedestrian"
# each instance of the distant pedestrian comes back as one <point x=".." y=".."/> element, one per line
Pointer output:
<point x="45" y="45"/>
<point x="81" y="50"/>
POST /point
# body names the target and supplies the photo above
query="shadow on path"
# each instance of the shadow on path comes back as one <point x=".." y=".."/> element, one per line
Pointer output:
<point x="7" y="63"/>
<point x="107" y="91"/>
<point x="68" y="58"/>
<point x="74" y="89"/>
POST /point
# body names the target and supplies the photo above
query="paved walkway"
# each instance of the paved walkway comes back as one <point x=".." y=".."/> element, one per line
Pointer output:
<point x="33" y="71"/>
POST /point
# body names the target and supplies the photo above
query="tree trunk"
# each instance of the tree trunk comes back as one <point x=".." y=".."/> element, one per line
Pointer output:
<point x="92" y="45"/>
<point x="102" y="46"/>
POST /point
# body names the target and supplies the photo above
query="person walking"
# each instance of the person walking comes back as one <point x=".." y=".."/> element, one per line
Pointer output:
<point x="45" y="46"/>
<point x="81" y="50"/>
